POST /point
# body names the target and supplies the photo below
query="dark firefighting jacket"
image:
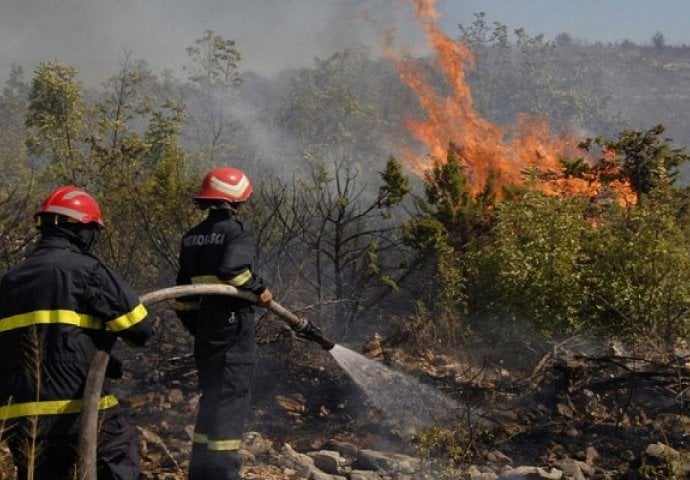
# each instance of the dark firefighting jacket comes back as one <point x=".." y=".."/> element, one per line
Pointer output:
<point x="56" y="308"/>
<point x="218" y="250"/>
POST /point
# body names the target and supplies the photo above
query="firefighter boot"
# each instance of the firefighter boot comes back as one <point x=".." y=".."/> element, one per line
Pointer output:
<point x="198" y="462"/>
<point x="223" y="465"/>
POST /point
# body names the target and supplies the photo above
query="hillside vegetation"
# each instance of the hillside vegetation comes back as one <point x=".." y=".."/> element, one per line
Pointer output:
<point x="352" y="236"/>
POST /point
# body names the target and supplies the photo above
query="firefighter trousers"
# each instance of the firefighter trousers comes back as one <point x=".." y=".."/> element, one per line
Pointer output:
<point x="223" y="409"/>
<point x="56" y="458"/>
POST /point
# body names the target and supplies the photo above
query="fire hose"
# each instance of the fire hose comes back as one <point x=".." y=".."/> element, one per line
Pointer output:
<point x="88" y="428"/>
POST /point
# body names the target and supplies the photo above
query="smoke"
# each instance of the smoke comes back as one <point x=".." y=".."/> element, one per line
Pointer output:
<point x="272" y="35"/>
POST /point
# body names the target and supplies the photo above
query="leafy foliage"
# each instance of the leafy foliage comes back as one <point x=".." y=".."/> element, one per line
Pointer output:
<point x="450" y="215"/>
<point x="124" y="151"/>
<point x="334" y="232"/>
<point x="561" y="266"/>
<point x="644" y="159"/>
<point x="530" y="268"/>
<point x="214" y="82"/>
<point x="55" y="116"/>
<point x="638" y="272"/>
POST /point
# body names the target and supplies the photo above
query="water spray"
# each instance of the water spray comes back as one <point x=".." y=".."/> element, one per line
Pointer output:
<point x="401" y="397"/>
<point x="88" y="429"/>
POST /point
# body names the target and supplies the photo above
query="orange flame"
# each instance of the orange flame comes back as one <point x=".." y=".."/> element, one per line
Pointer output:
<point x="484" y="148"/>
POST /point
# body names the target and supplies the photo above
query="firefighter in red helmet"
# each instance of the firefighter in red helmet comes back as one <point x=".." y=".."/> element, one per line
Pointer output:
<point x="220" y="249"/>
<point x="57" y="307"/>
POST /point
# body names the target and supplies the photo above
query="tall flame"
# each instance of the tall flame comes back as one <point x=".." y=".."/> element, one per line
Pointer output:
<point x="485" y="149"/>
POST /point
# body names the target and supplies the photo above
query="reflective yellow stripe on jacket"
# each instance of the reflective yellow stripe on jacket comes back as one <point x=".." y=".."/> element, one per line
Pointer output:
<point x="45" y="317"/>
<point x="123" y="322"/>
<point x="51" y="407"/>
<point x="237" y="281"/>
<point x="70" y="317"/>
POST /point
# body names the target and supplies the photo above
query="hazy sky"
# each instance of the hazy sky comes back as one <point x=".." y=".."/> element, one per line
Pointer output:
<point x="593" y="20"/>
<point x="273" y="34"/>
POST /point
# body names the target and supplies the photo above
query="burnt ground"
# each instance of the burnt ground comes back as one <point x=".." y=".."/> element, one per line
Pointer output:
<point x="599" y="409"/>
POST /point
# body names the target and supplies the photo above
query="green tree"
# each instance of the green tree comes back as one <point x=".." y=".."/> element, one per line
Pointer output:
<point x="143" y="180"/>
<point x="450" y="213"/>
<point x="493" y="69"/>
<point x="623" y="272"/>
<point x="530" y="269"/>
<point x="13" y="131"/>
<point x="214" y="80"/>
<point x="644" y="159"/>
<point x="55" y="117"/>
<point x="449" y="220"/>
<point x="658" y="40"/>
<point x="124" y="150"/>
<point x="338" y="109"/>
<point x="638" y="273"/>
<point x="17" y="183"/>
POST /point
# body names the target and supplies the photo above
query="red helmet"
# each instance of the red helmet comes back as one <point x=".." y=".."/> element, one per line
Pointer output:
<point x="74" y="203"/>
<point x="225" y="183"/>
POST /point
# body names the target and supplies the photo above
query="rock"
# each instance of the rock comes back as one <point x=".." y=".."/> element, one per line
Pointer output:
<point x="246" y="456"/>
<point x="344" y="448"/>
<point x="591" y="454"/>
<point x="294" y="405"/>
<point x="572" y="468"/>
<point x="629" y="456"/>
<point x="363" y="475"/>
<point x="473" y="473"/>
<point x="585" y="468"/>
<point x="565" y="410"/>
<point x="390" y="462"/>
<point x="256" y="444"/>
<point x="175" y="396"/>
<point x="497" y="457"/>
<point x="662" y="451"/>
<point x="329" y="461"/>
<point x="316" y="474"/>
<point x="552" y="474"/>
<point x="289" y="458"/>
<point x="670" y="457"/>
<point x="530" y="473"/>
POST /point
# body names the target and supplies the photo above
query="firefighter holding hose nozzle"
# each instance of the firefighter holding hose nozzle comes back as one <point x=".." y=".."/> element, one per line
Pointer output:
<point x="220" y="249"/>
<point x="311" y="332"/>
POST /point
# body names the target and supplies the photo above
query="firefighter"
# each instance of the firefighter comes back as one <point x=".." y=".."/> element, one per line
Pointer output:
<point x="57" y="307"/>
<point x="220" y="249"/>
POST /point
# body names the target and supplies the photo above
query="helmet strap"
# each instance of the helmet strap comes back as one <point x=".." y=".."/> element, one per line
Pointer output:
<point x="44" y="219"/>
<point x="217" y="205"/>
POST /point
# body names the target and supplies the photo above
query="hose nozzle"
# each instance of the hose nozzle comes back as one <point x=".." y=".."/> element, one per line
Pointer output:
<point x="311" y="332"/>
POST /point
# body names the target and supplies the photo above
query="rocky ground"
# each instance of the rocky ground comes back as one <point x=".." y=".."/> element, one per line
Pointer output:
<point x="605" y="415"/>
